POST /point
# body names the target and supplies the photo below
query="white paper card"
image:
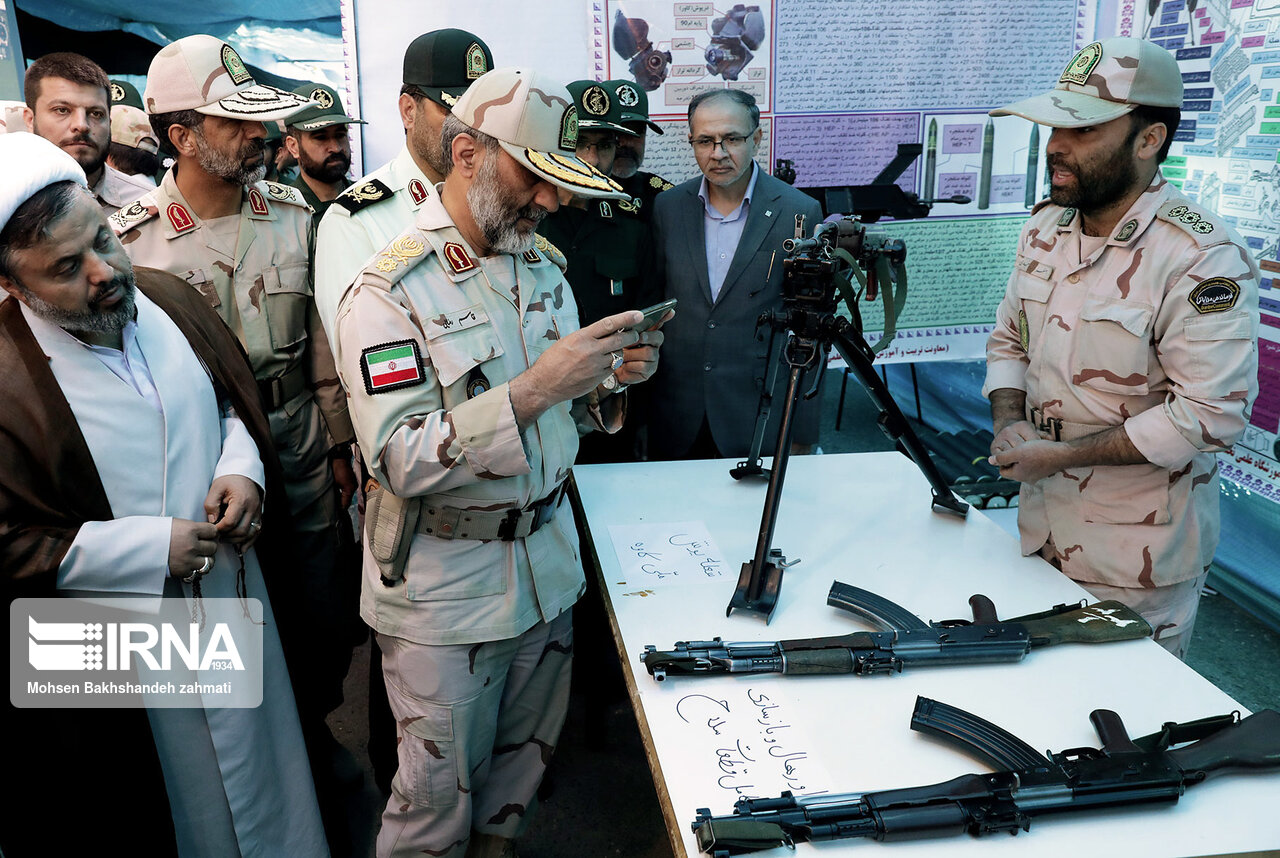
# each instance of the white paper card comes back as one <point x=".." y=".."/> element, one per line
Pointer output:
<point x="663" y="554"/>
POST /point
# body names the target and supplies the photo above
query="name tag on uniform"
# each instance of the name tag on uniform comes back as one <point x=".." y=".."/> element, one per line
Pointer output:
<point x="455" y="320"/>
<point x="615" y="287"/>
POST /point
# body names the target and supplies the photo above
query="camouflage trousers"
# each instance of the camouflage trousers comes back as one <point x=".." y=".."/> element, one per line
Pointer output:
<point x="1169" y="610"/>
<point x="476" y="726"/>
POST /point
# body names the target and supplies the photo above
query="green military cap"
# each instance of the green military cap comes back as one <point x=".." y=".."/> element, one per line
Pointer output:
<point x="598" y="108"/>
<point x="633" y="103"/>
<point x="123" y="92"/>
<point x="443" y="63"/>
<point x="327" y="110"/>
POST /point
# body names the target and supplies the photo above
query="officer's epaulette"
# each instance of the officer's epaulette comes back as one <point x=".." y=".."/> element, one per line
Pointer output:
<point x="660" y="183"/>
<point x="1204" y="228"/>
<point x="131" y="215"/>
<point x="285" y="194"/>
<point x="400" y="256"/>
<point x="363" y="194"/>
<point x="550" y="251"/>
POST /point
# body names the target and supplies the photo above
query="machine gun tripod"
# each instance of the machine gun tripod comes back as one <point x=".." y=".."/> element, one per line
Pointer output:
<point x="815" y="270"/>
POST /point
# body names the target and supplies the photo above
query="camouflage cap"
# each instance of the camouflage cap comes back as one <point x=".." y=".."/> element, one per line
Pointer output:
<point x="536" y="122"/>
<point x="443" y="63"/>
<point x="206" y="75"/>
<point x="327" y="110"/>
<point x="123" y="92"/>
<point x="131" y="127"/>
<point x="633" y="104"/>
<point x="1105" y="81"/>
<point x="13" y="116"/>
<point x="598" y="108"/>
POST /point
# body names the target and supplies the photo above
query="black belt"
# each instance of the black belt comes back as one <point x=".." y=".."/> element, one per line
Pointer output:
<point x="279" y="390"/>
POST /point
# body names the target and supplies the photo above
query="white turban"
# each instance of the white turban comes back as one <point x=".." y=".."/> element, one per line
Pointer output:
<point x="31" y="164"/>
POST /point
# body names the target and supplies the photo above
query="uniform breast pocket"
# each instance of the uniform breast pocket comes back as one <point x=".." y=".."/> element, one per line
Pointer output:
<point x="1033" y="298"/>
<point x="1113" y="346"/>
<point x="286" y="298"/>
<point x="543" y="330"/>
<point x="455" y="353"/>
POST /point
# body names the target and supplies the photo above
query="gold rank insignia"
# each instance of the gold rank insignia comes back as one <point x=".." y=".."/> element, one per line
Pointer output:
<point x="403" y="249"/>
<point x="660" y="183"/>
<point x="549" y="250"/>
<point x="458" y="258"/>
<point x="363" y="194"/>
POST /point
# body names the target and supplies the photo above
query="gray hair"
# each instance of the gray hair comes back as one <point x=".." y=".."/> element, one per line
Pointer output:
<point x="738" y="96"/>
<point x="452" y="127"/>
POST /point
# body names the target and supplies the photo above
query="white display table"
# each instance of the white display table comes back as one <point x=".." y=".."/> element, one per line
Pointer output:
<point x="864" y="519"/>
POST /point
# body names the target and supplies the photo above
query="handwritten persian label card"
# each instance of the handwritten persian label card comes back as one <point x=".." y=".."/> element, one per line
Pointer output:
<point x="662" y="554"/>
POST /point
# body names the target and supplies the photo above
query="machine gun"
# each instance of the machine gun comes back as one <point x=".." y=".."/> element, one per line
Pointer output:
<point x="907" y="640"/>
<point x="1122" y="772"/>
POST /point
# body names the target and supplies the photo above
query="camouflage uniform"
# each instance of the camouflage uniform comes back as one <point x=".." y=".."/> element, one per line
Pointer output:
<point x="1155" y="331"/>
<point x="116" y="189"/>
<point x="438" y="429"/>
<point x="360" y="222"/>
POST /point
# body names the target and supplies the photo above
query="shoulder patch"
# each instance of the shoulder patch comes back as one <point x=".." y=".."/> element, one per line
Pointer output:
<point x="400" y="256"/>
<point x="363" y="194"/>
<point x="391" y="366"/>
<point x="1204" y="229"/>
<point x="1215" y="295"/>
<point x="285" y="194"/>
<point x="130" y="216"/>
<point x="550" y="251"/>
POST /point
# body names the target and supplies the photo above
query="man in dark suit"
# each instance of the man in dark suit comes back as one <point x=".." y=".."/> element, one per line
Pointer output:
<point x="719" y="242"/>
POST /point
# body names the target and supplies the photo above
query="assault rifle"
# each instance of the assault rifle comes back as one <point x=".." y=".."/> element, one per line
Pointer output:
<point x="905" y="640"/>
<point x="1028" y="785"/>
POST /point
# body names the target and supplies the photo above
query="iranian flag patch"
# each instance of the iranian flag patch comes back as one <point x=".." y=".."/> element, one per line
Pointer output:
<point x="391" y="366"/>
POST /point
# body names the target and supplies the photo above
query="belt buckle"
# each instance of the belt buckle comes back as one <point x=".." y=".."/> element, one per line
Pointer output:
<point x="1048" y="425"/>
<point x="507" y="527"/>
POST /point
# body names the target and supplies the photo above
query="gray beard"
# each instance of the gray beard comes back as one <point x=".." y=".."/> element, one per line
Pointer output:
<point x="90" y="322"/>
<point x="229" y="169"/>
<point x="494" y="213"/>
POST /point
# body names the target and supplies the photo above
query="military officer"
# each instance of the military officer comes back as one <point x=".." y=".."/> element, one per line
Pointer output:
<point x="633" y="114"/>
<point x="134" y="150"/>
<point x="609" y="252"/>
<point x="318" y="138"/>
<point x="243" y="243"/>
<point x="1125" y="350"/>
<point x="438" y="68"/>
<point x="470" y="381"/>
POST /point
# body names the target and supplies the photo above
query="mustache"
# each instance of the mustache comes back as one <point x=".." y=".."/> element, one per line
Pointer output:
<point x="80" y="138"/>
<point x="122" y="281"/>
<point x="253" y="147"/>
<point x="533" y="213"/>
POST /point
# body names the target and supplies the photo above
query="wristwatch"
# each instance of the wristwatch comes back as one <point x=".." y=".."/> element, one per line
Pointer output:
<point x="612" y="384"/>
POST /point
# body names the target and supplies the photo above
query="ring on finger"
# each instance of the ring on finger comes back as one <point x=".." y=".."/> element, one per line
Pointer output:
<point x="255" y="525"/>
<point x="197" y="574"/>
<point x="617" y="361"/>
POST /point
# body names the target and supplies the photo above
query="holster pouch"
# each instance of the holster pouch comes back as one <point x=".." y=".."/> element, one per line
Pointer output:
<point x="390" y="522"/>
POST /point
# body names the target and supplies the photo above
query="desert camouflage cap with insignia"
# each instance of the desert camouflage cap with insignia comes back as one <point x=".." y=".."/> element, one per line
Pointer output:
<point x="534" y="120"/>
<point x="443" y="63"/>
<point x="131" y="127"/>
<point x="326" y="111"/>
<point x="1104" y="81"/>
<point x="598" y="107"/>
<point x="206" y="75"/>
<point x="633" y="104"/>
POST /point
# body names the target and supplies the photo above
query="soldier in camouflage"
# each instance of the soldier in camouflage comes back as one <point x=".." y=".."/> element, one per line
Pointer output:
<point x="438" y="68"/>
<point x="470" y="381"/>
<point x="243" y="243"/>
<point x="1125" y="351"/>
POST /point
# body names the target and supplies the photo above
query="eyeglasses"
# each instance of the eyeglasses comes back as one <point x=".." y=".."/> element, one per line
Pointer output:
<point x="730" y="142"/>
<point x="599" y="146"/>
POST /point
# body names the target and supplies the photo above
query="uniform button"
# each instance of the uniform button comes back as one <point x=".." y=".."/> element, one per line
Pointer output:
<point x="711" y="323"/>
<point x="706" y="367"/>
<point x="1074" y="278"/>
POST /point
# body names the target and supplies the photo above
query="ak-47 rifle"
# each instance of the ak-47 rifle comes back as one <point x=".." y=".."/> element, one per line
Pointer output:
<point x="906" y="640"/>
<point x="1121" y="772"/>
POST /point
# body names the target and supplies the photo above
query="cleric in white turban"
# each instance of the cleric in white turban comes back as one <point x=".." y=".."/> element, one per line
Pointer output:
<point x="134" y="456"/>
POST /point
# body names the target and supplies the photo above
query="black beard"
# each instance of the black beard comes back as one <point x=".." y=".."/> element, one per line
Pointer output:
<point x="1097" y="188"/>
<point x="329" y="171"/>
